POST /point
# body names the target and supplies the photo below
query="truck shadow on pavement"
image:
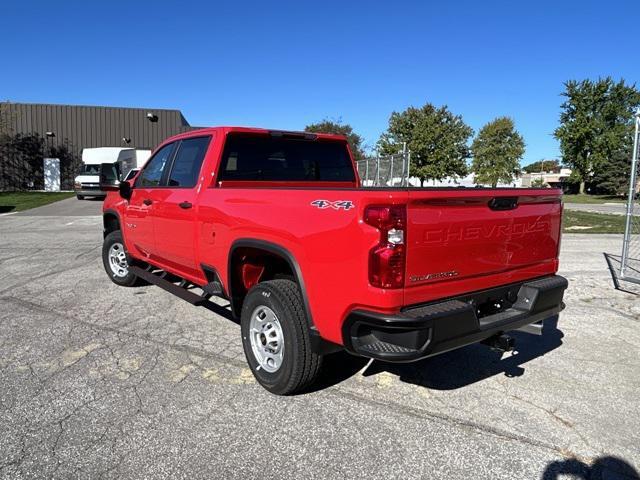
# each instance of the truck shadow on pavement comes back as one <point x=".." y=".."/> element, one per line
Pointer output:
<point x="470" y="364"/>
<point x="602" y="468"/>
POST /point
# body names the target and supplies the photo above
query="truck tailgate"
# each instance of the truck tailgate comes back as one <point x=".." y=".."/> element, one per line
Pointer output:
<point x="454" y="235"/>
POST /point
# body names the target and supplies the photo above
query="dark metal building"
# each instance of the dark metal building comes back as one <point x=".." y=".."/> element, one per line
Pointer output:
<point x="71" y="128"/>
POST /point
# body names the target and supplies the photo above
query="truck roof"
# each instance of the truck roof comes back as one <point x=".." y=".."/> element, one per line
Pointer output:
<point x="265" y="131"/>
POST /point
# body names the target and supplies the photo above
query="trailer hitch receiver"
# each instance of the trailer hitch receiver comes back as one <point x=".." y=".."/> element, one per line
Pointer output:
<point x="500" y="343"/>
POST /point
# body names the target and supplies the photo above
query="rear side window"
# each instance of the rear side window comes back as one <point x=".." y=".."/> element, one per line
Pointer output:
<point x="265" y="157"/>
<point x="151" y="176"/>
<point x="187" y="162"/>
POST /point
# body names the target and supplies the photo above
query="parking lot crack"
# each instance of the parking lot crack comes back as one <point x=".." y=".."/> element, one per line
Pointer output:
<point x="466" y="424"/>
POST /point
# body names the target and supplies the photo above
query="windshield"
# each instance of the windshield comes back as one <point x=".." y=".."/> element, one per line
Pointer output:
<point x="89" y="170"/>
<point x="266" y="157"/>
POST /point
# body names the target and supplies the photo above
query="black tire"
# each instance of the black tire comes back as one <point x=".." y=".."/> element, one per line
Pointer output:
<point x="128" y="280"/>
<point x="80" y="197"/>
<point x="300" y="366"/>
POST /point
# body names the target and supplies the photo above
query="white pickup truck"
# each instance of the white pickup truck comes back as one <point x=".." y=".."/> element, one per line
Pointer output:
<point x="87" y="182"/>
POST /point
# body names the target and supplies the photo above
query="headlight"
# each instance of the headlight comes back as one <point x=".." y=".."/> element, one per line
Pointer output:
<point x="77" y="185"/>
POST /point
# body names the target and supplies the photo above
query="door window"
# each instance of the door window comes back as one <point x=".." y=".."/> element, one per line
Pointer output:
<point x="187" y="162"/>
<point x="151" y="176"/>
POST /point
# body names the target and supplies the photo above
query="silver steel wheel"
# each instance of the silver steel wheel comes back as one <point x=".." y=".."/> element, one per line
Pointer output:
<point x="118" y="260"/>
<point x="267" y="340"/>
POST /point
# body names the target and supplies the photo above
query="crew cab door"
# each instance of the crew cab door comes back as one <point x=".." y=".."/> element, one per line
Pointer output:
<point x="138" y="222"/>
<point x="175" y="214"/>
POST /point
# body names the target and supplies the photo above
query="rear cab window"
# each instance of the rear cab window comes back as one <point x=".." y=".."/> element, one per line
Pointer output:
<point x="257" y="157"/>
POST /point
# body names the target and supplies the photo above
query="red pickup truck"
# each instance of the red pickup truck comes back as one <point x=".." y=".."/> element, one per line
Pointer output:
<point x="310" y="262"/>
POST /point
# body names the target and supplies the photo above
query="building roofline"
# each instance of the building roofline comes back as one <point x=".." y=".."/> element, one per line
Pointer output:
<point x="10" y="102"/>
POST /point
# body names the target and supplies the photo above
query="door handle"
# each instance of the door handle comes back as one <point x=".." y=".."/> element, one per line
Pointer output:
<point x="185" y="205"/>
<point x="147" y="201"/>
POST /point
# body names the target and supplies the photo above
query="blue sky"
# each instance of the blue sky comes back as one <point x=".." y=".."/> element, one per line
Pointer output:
<point x="287" y="64"/>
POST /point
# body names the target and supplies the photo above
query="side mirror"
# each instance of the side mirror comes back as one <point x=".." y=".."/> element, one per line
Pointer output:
<point x="109" y="177"/>
<point x="125" y="189"/>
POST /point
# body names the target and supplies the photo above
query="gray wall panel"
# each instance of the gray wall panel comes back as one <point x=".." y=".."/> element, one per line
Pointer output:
<point x="88" y="126"/>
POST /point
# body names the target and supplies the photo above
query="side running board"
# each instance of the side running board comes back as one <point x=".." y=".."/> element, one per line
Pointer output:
<point x="179" y="291"/>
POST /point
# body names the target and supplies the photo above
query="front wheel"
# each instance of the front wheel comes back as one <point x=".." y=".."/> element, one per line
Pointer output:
<point x="114" y="259"/>
<point x="275" y="337"/>
<point x="80" y="197"/>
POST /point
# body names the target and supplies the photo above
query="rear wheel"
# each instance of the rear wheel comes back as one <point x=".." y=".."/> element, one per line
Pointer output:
<point x="114" y="259"/>
<point x="275" y="337"/>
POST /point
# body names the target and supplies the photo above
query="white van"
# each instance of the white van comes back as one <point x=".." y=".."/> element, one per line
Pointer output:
<point x="87" y="183"/>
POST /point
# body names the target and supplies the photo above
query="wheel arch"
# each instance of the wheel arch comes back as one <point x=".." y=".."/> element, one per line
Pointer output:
<point x="111" y="222"/>
<point x="272" y="249"/>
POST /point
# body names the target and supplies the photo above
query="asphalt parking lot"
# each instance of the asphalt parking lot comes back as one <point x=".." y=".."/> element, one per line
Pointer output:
<point x="101" y="381"/>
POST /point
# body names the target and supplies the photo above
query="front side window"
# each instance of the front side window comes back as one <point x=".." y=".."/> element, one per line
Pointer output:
<point x="187" y="162"/>
<point x="270" y="158"/>
<point x="151" y="176"/>
<point x="132" y="173"/>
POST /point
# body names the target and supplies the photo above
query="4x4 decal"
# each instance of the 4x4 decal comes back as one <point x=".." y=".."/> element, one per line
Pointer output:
<point x="337" y="205"/>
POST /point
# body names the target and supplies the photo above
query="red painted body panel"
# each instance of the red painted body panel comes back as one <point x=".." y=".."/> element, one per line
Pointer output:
<point x="448" y="230"/>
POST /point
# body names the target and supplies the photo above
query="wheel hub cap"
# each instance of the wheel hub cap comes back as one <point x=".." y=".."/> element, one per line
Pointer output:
<point x="118" y="260"/>
<point x="267" y="341"/>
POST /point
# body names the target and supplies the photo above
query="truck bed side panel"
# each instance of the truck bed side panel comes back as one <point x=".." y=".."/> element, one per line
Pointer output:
<point x="331" y="245"/>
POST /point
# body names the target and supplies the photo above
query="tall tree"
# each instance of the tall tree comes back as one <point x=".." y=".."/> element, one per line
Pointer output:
<point x="542" y="166"/>
<point x="596" y="124"/>
<point x="438" y="141"/>
<point x="497" y="151"/>
<point x="356" y="142"/>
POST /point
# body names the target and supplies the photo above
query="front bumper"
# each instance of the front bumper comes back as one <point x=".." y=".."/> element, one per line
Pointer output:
<point x="91" y="192"/>
<point x="422" y="331"/>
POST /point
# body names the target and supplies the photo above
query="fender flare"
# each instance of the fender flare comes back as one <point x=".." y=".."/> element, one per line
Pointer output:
<point x="276" y="250"/>
<point x="115" y="213"/>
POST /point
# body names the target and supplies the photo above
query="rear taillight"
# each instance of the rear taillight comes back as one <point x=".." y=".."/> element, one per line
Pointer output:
<point x="387" y="259"/>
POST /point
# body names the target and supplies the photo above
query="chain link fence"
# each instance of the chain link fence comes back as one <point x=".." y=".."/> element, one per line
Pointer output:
<point x="385" y="171"/>
<point x="630" y="261"/>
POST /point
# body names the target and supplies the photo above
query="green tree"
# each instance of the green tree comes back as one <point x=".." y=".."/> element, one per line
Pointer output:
<point x="614" y="179"/>
<point x="542" y="166"/>
<point x="538" y="182"/>
<point x="596" y="124"/>
<point x="21" y="165"/>
<point x="356" y="142"/>
<point x="438" y="141"/>
<point x="497" y="151"/>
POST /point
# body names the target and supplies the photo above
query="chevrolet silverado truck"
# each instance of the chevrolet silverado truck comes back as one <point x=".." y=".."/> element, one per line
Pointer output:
<point x="278" y="224"/>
